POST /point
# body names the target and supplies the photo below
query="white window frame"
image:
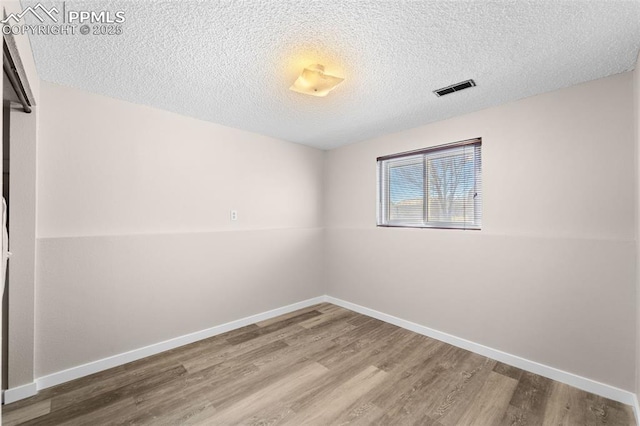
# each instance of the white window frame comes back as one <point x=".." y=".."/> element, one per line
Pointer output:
<point x="383" y="198"/>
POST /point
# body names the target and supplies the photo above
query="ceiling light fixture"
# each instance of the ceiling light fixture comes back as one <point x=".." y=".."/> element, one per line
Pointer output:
<point x="313" y="81"/>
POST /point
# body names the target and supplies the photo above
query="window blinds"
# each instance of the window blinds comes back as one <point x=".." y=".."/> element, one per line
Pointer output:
<point x="438" y="187"/>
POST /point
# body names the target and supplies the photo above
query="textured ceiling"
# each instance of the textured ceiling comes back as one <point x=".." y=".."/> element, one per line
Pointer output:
<point x="232" y="62"/>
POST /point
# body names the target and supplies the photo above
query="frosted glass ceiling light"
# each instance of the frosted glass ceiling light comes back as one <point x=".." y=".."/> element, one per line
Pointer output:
<point x="313" y="81"/>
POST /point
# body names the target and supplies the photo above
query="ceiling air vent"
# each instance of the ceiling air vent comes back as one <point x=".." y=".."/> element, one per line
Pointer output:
<point x="455" y="88"/>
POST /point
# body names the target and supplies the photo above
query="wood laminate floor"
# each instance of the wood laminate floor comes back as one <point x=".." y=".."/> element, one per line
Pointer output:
<point x="322" y="365"/>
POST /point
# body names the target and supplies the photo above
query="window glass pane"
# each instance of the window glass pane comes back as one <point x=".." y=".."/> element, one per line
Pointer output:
<point x="406" y="190"/>
<point x="451" y="187"/>
<point x="439" y="187"/>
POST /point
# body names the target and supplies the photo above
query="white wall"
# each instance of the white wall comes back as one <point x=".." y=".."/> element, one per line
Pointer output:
<point x="135" y="243"/>
<point x="551" y="275"/>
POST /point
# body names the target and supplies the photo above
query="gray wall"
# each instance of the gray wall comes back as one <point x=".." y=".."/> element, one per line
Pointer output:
<point x="551" y="275"/>
<point x="636" y="98"/>
<point x="135" y="243"/>
<point x="22" y="244"/>
<point x="22" y="230"/>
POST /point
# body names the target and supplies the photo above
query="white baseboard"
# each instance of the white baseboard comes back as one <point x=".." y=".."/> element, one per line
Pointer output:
<point x="25" y="391"/>
<point x="571" y="379"/>
<point x="123" y="358"/>
<point x="20" y="392"/>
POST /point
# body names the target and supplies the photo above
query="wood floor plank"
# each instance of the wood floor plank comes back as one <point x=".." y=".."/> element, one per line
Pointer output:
<point x="190" y="390"/>
<point x="508" y="370"/>
<point x="210" y="358"/>
<point x="413" y="364"/>
<point x="427" y="421"/>
<point x="529" y="401"/>
<point x="185" y="396"/>
<point x="491" y="402"/>
<point x="326" y="331"/>
<point x="329" y="316"/>
<point x="603" y="411"/>
<point x="363" y="409"/>
<point x="321" y="365"/>
<point x="196" y="415"/>
<point x="359" y="320"/>
<point x="400" y="356"/>
<point x="374" y="336"/>
<point x="259" y="331"/>
<point x="350" y="365"/>
<point x="259" y="400"/>
<point x="98" y="401"/>
<point x="102" y="415"/>
<point x="564" y="406"/>
<point x="459" y="393"/>
<point x="360" y="413"/>
<point x="210" y="383"/>
<point x="397" y="355"/>
<point x="324" y="410"/>
<point x="76" y="391"/>
<point x="413" y="399"/>
<point x="109" y="384"/>
<point x="327" y="308"/>
<point x="298" y="356"/>
<point x="284" y="317"/>
<point x="27" y="413"/>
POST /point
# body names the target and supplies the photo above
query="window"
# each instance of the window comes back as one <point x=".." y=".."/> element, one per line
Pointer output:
<point x="437" y="187"/>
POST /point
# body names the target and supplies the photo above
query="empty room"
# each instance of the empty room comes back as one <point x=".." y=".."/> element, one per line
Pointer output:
<point x="328" y="212"/>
